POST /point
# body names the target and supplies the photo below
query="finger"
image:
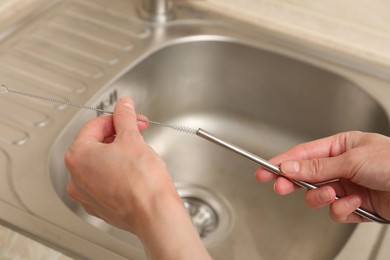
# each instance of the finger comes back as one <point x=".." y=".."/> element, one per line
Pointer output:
<point x="143" y="123"/>
<point x="97" y="130"/>
<point x="342" y="210"/>
<point x="125" y="119"/>
<point x="89" y="210"/>
<point x="263" y="175"/>
<point x="282" y="186"/>
<point x="325" y="147"/>
<point x="320" y="169"/>
<point x="320" y="197"/>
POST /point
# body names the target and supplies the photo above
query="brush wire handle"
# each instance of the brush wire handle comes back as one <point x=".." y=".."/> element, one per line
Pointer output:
<point x="275" y="169"/>
<point x="4" y="89"/>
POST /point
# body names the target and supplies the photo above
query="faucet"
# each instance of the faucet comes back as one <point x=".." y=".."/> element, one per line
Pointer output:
<point x="157" y="10"/>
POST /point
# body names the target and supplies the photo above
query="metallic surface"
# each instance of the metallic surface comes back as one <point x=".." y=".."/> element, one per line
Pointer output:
<point x="263" y="91"/>
<point x="274" y="169"/>
<point x="158" y="10"/>
<point x="203" y="216"/>
<point x="231" y="89"/>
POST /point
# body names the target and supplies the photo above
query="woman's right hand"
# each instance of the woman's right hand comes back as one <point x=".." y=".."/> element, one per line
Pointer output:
<point x="361" y="162"/>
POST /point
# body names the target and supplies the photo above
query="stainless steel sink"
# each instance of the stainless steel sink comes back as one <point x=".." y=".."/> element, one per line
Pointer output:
<point x="248" y="85"/>
<point x="260" y="100"/>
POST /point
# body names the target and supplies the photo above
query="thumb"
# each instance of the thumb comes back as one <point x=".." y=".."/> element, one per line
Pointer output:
<point x="317" y="170"/>
<point x="125" y="119"/>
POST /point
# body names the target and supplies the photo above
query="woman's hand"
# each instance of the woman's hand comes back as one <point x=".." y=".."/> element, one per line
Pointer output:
<point x="117" y="177"/>
<point x="361" y="162"/>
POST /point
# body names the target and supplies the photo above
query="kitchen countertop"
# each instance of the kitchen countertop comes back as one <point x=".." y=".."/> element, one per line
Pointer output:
<point x="11" y="10"/>
<point x="357" y="27"/>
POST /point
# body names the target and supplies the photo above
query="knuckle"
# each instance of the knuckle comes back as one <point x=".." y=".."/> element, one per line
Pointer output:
<point x="310" y="199"/>
<point x="68" y="158"/>
<point x="72" y="191"/>
<point x="315" y="168"/>
<point x="90" y="211"/>
<point x="337" y="214"/>
<point x="334" y="215"/>
<point x="71" y="157"/>
<point x="75" y="156"/>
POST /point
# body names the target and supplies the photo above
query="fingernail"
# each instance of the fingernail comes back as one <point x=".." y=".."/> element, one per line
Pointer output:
<point x="128" y="103"/>
<point x="290" y="167"/>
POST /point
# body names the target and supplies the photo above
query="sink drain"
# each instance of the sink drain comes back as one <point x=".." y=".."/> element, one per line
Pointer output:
<point x="203" y="216"/>
<point x="210" y="213"/>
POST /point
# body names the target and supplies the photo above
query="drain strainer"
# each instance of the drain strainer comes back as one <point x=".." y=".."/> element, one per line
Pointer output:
<point x="210" y="212"/>
<point x="203" y="216"/>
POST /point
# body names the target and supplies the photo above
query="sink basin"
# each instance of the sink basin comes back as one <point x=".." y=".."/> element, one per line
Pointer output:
<point x="257" y="99"/>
